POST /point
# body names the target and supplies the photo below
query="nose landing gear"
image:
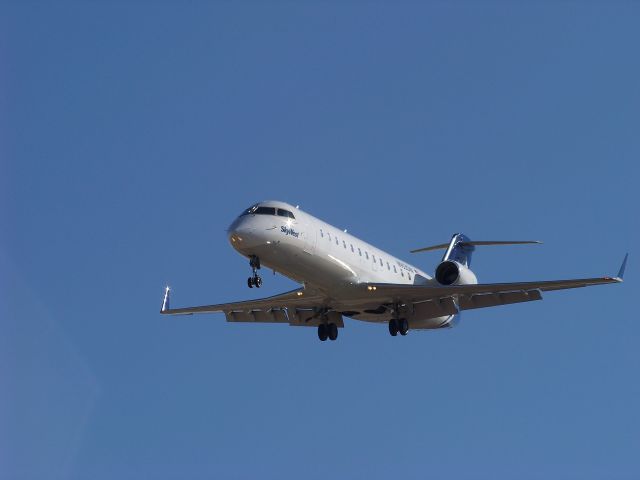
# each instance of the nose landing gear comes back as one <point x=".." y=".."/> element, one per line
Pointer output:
<point x="255" y="280"/>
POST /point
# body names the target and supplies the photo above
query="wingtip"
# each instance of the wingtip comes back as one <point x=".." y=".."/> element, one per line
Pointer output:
<point x="165" y="300"/>
<point x="620" y="275"/>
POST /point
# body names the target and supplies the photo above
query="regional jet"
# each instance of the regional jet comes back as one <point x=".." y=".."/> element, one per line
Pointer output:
<point x="343" y="276"/>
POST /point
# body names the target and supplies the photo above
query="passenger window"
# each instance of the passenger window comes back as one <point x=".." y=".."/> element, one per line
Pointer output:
<point x="359" y="252"/>
<point x="264" y="211"/>
<point x="366" y="254"/>
<point x="337" y="243"/>
<point x="321" y="233"/>
<point x="394" y="269"/>
<point x="352" y="250"/>
<point x="388" y="266"/>
<point x="344" y="244"/>
<point x="329" y="236"/>
<point x="401" y="273"/>
<point x="381" y="262"/>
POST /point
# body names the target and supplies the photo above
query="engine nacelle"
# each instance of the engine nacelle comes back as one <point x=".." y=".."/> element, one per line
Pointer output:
<point x="450" y="272"/>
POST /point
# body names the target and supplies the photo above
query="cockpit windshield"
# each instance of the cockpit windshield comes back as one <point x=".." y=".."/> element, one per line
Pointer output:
<point x="285" y="213"/>
<point x="249" y="210"/>
<point x="257" y="209"/>
<point x="264" y="211"/>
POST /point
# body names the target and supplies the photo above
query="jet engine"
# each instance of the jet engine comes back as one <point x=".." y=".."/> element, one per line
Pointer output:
<point x="451" y="272"/>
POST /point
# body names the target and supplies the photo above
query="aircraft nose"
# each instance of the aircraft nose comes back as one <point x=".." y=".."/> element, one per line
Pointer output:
<point x="242" y="236"/>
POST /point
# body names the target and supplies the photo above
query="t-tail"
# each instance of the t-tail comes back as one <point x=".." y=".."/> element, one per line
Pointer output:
<point x="461" y="247"/>
<point x="455" y="266"/>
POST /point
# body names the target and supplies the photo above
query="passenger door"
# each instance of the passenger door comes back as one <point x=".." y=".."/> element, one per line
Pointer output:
<point x="309" y="235"/>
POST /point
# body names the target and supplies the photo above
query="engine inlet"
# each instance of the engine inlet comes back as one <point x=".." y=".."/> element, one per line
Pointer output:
<point x="447" y="273"/>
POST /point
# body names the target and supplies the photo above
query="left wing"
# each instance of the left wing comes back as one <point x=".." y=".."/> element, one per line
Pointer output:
<point x="479" y="295"/>
<point x="297" y="307"/>
<point x="389" y="291"/>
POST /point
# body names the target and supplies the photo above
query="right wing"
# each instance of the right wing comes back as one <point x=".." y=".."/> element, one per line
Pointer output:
<point x="297" y="307"/>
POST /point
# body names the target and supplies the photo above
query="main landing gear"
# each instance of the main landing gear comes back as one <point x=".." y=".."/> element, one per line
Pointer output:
<point x="398" y="325"/>
<point x="255" y="280"/>
<point x="327" y="330"/>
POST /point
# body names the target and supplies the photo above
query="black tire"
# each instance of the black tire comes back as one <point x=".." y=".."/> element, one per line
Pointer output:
<point x="403" y="326"/>
<point x="258" y="282"/>
<point x="332" y="331"/>
<point x="322" y="332"/>
<point x="393" y="327"/>
<point x="250" y="282"/>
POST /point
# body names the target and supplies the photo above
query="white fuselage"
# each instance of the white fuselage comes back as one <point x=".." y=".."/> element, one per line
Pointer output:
<point x="317" y="254"/>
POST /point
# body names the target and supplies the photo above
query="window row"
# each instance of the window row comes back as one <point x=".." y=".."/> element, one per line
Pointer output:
<point x="360" y="251"/>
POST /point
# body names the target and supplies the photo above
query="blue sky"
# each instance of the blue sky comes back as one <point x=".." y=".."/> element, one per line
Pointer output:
<point x="131" y="135"/>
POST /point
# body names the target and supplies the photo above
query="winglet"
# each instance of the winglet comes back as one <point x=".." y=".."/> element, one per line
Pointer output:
<point x="165" y="301"/>
<point x="622" y="267"/>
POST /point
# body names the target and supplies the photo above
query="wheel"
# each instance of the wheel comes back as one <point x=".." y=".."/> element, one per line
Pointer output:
<point x="322" y="332"/>
<point x="393" y="327"/>
<point x="403" y="326"/>
<point x="250" y="282"/>
<point x="257" y="281"/>
<point x="332" y="331"/>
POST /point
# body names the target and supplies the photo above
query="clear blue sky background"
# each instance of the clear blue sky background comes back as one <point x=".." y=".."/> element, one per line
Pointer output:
<point x="131" y="135"/>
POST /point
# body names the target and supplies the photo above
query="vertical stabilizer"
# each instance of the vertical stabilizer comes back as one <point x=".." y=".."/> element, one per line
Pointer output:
<point x="460" y="249"/>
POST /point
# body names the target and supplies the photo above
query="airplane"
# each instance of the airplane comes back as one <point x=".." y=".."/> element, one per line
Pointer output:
<point x="343" y="276"/>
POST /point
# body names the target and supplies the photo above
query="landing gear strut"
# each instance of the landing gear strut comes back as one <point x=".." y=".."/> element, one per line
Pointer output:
<point x="255" y="280"/>
<point x="327" y="330"/>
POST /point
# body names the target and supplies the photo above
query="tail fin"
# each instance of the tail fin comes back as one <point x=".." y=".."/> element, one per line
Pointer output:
<point x="461" y="247"/>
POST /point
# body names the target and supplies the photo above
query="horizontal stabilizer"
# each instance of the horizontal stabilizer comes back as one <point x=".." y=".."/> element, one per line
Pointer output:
<point x="474" y="243"/>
